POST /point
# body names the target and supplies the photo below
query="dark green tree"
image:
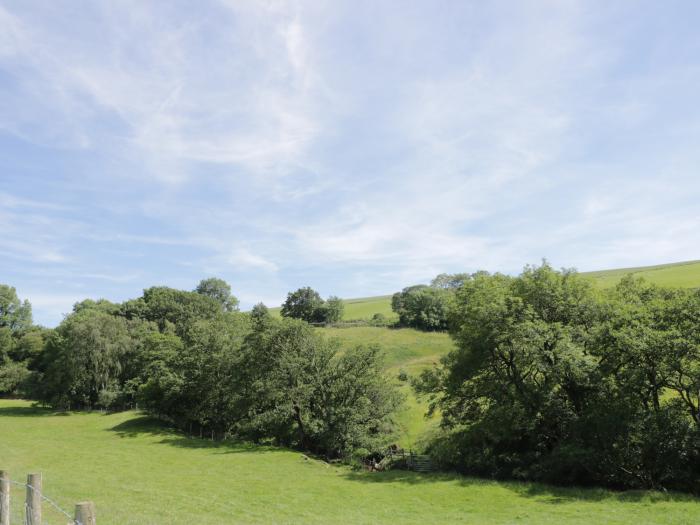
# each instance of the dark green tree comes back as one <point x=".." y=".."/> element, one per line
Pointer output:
<point x="84" y="360"/>
<point x="422" y="307"/>
<point x="303" y="304"/>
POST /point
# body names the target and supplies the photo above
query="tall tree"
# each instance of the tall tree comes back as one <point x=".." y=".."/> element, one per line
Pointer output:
<point x="303" y="303"/>
<point x="220" y="291"/>
<point x="14" y="313"/>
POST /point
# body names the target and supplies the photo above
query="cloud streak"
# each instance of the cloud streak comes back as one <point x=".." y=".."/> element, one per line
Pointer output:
<point x="356" y="148"/>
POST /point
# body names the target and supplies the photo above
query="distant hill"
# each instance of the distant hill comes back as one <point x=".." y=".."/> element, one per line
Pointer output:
<point x="682" y="274"/>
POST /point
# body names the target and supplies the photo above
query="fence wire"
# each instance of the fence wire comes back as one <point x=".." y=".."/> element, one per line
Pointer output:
<point x="51" y="512"/>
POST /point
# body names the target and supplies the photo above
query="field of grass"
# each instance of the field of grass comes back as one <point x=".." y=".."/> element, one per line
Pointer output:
<point x="683" y="274"/>
<point x="138" y="472"/>
<point x="404" y="349"/>
<point x="361" y="308"/>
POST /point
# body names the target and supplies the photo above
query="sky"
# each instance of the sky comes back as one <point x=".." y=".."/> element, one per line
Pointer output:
<point x="355" y="147"/>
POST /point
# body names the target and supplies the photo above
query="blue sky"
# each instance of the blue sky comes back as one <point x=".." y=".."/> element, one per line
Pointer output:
<point x="355" y="147"/>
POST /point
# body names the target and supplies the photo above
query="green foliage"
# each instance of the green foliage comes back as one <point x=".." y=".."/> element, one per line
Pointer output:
<point x="422" y="307"/>
<point x="220" y="291"/>
<point x="303" y="303"/>
<point x="332" y="310"/>
<point x="448" y="281"/>
<point x="297" y="390"/>
<point x="551" y="381"/>
<point x="306" y="304"/>
<point x="13" y="375"/>
<point x="260" y="316"/>
<point x="84" y="359"/>
<point x="14" y="313"/>
<point x="177" y="308"/>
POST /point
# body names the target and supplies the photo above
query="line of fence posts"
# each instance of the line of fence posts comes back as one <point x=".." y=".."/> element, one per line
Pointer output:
<point x="84" y="511"/>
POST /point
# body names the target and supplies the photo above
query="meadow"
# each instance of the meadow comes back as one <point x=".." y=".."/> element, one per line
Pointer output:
<point x="683" y="274"/>
<point x="140" y="472"/>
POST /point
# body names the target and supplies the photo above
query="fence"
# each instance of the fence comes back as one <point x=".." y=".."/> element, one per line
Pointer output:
<point x="417" y="462"/>
<point x="37" y="509"/>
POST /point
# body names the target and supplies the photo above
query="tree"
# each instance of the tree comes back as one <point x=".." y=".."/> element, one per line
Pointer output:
<point x="84" y="359"/>
<point x="331" y="311"/>
<point x="448" y="281"/>
<point x="297" y="389"/>
<point x="303" y="304"/>
<point x="552" y="381"/>
<point x="422" y="307"/>
<point x="220" y="291"/>
<point x="178" y="308"/>
<point x="260" y="316"/>
<point x="14" y="314"/>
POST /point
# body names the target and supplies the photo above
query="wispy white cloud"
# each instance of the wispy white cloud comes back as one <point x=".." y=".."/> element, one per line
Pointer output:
<point x="353" y="147"/>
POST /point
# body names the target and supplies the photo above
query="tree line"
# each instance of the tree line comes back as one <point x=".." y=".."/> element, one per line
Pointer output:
<point x="555" y="381"/>
<point x="191" y="358"/>
<point x="550" y="380"/>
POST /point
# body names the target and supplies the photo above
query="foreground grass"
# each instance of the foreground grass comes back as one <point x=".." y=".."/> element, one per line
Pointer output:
<point x="139" y="472"/>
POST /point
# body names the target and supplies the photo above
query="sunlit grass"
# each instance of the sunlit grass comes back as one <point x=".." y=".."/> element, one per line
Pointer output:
<point x="138" y="472"/>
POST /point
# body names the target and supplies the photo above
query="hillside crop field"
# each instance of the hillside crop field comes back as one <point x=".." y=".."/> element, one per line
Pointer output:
<point x="139" y="472"/>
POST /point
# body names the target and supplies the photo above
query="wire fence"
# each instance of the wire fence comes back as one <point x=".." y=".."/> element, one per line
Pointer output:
<point x="26" y="504"/>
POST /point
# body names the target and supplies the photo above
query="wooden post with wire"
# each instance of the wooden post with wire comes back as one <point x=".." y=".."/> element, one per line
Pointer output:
<point x="34" y="499"/>
<point x="85" y="513"/>
<point x="4" y="498"/>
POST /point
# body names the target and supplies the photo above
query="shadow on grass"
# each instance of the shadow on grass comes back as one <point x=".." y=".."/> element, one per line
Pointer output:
<point x="30" y="411"/>
<point x="150" y="426"/>
<point x="547" y="494"/>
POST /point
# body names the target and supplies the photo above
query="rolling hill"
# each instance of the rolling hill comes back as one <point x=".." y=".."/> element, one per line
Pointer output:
<point x="682" y="274"/>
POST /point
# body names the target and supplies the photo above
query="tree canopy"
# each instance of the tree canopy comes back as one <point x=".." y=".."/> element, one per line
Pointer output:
<point x="554" y="381"/>
<point x="306" y="304"/>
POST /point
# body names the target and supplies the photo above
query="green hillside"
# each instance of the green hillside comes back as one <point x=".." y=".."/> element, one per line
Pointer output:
<point x="683" y="274"/>
<point x="138" y="472"/>
<point x="408" y="350"/>
<point x="361" y="308"/>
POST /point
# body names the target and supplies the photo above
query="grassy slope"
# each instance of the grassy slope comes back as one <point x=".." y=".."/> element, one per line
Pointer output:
<point x="404" y="349"/>
<point x="361" y="307"/>
<point x="139" y="473"/>
<point x="683" y="274"/>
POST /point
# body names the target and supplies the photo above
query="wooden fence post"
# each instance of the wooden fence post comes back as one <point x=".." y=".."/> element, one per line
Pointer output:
<point x="4" y="498"/>
<point x="85" y="513"/>
<point x="34" y="499"/>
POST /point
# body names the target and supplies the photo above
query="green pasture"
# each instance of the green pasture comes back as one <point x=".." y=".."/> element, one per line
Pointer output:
<point x="683" y="274"/>
<point x="361" y="308"/>
<point x="140" y="472"/>
<point x="408" y="350"/>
